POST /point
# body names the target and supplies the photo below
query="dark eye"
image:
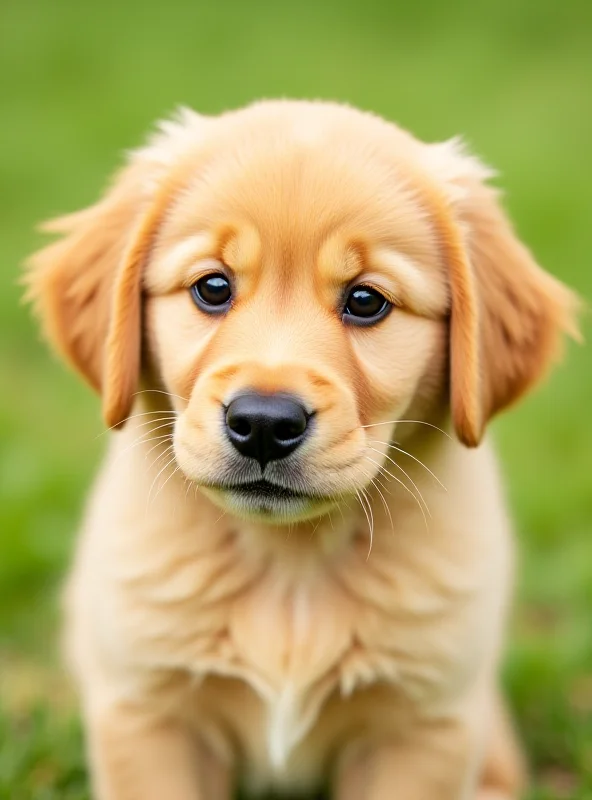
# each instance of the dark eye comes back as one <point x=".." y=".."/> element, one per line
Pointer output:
<point x="365" y="306"/>
<point x="212" y="292"/>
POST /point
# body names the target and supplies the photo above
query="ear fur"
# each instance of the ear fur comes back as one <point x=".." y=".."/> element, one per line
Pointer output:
<point x="75" y="283"/>
<point x="508" y="316"/>
<point x="86" y="287"/>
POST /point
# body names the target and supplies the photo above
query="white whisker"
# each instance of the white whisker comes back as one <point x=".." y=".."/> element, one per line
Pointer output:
<point x="222" y="515"/>
<point x="384" y="503"/>
<point x="161" y="457"/>
<point x="383" y="484"/>
<point x="168" y="464"/>
<point x="133" y="416"/>
<point x="339" y="506"/>
<point x="404" y="485"/>
<point x="161" y="391"/>
<point x="331" y="521"/>
<point x="413" y="421"/>
<point x="375" y="481"/>
<point x="164" y="424"/>
<point x="158" y="443"/>
<point x="409" y="478"/>
<point x="159" y="490"/>
<point x="165" y="420"/>
<point x="366" y="514"/>
<point x="314" y="530"/>
<point x="143" y="438"/>
<point x="138" y="440"/>
<point x="406" y="453"/>
<point x="367" y="499"/>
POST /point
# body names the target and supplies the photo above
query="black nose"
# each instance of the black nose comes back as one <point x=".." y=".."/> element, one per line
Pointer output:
<point x="266" y="427"/>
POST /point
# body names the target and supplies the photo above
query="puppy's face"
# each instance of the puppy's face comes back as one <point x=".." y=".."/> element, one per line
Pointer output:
<point x="294" y="297"/>
<point x="307" y="276"/>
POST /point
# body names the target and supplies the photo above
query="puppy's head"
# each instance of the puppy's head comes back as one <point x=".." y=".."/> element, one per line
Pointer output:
<point x="301" y="278"/>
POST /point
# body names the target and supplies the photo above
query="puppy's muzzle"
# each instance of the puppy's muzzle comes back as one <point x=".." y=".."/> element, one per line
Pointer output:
<point x="266" y="427"/>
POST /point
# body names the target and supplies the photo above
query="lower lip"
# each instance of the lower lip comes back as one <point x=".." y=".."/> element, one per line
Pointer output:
<point x="267" y="492"/>
<point x="269" y="502"/>
<point x="275" y="504"/>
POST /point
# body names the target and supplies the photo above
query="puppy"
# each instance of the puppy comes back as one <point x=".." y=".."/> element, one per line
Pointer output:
<point x="295" y="565"/>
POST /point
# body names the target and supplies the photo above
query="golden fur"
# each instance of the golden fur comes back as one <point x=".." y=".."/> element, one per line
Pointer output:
<point x="348" y="644"/>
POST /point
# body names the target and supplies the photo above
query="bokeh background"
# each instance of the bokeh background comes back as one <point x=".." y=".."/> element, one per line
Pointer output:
<point x="82" y="82"/>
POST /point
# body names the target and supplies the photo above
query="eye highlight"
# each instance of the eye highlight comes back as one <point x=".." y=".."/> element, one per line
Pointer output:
<point x="365" y="306"/>
<point x="212" y="293"/>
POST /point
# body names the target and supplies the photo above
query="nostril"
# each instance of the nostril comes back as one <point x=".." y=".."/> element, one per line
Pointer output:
<point x="286" y="430"/>
<point x="240" y="426"/>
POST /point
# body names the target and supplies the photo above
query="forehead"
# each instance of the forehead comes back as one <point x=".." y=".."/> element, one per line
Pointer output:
<point x="296" y="190"/>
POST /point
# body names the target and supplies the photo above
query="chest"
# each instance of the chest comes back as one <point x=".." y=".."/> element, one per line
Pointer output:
<point x="284" y="655"/>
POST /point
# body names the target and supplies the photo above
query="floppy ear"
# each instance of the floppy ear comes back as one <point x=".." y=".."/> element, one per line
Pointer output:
<point x="508" y="316"/>
<point x="86" y="287"/>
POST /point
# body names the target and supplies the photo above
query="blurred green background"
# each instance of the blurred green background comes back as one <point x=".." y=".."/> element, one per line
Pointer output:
<point x="82" y="82"/>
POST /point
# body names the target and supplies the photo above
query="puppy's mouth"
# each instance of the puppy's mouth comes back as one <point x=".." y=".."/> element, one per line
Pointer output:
<point x="269" y="500"/>
<point x="266" y="489"/>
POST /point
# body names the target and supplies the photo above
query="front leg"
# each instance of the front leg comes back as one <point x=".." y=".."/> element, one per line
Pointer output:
<point x="135" y="756"/>
<point x="436" y="760"/>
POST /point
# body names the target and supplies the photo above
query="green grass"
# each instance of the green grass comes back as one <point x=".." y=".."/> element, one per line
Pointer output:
<point x="82" y="82"/>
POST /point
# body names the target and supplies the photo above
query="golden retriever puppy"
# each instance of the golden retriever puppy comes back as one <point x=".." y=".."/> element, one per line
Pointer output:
<point x="295" y="565"/>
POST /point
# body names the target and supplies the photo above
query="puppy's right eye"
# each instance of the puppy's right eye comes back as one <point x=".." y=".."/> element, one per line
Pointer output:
<point x="212" y="293"/>
<point x="365" y="306"/>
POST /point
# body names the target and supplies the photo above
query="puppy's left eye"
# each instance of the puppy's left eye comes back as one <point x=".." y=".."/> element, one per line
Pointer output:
<point x="364" y="306"/>
<point x="212" y="293"/>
